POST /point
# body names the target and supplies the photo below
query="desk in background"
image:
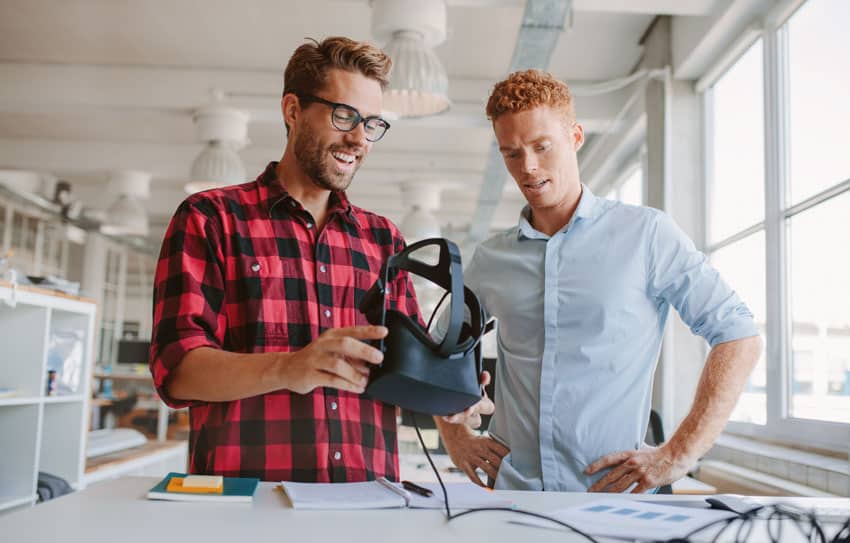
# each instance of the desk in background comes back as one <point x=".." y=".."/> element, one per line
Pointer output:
<point x="140" y="378"/>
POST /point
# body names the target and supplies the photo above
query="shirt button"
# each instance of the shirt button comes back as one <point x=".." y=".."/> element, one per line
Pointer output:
<point x="337" y="455"/>
<point x="327" y="313"/>
<point x="255" y="267"/>
<point x="333" y="406"/>
<point x="309" y="225"/>
<point x="322" y="269"/>
<point x="292" y="203"/>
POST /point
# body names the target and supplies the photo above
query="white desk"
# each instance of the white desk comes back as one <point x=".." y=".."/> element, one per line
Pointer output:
<point x="116" y="510"/>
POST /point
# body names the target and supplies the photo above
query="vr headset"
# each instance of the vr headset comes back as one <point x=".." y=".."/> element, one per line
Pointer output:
<point x="418" y="373"/>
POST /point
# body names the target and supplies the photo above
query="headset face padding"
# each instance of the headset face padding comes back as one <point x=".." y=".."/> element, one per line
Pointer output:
<point x="418" y="373"/>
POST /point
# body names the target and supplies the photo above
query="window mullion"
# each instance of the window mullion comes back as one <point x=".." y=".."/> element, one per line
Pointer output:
<point x="708" y="161"/>
<point x="776" y="250"/>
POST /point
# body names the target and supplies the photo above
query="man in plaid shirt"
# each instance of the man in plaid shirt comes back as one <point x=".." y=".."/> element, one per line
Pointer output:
<point x="256" y="326"/>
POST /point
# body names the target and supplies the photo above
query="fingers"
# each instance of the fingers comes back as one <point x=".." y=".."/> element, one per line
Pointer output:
<point x="472" y="415"/>
<point x="491" y="459"/>
<point x="608" y="461"/>
<point x="473" y="421"/>
<point x="361" y="367"/>
<point x="485" y="378"/>
<point x="485" y="406"/>
<point x="624" y="482"/>
<point x="470" y="472"/>
<point x="353" y="349"/>
<point x="359" y="332"/>
<point x="335" y="381"/>
<point x="614" y="475"/>
<point x="489" y="469"/>
<point x="497" y="448"/>
<point x="642" y="487"/>
<point x="342" y="369"/>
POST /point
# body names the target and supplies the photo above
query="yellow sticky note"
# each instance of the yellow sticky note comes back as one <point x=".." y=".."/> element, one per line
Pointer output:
<point x="202" y="486"/>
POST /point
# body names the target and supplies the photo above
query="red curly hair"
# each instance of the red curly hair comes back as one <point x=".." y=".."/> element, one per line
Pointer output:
<point x="529" y="89"/>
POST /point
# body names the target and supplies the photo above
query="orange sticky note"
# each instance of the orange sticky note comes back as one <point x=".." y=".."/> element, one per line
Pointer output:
<point x="175" y="484"/>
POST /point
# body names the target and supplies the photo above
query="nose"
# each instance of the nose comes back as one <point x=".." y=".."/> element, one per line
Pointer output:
<point x="357" y="136"/>
<point x="529" y="163"/>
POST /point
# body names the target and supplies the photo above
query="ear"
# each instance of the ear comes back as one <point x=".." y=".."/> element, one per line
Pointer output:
<point x="578" y="136"/>
<point x="290" y="108"/>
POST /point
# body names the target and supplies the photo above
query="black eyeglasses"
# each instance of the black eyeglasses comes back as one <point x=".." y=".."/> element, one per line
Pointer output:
<point x="346" y="118"/>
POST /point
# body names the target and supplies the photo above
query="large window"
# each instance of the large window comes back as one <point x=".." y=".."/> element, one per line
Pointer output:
<point x="818" y="102"/>
<point x="629" y="188"/>
<point x="737" y="150"/>
<point x="779" y="219"/>
<point x="742" y="265"/>
<point x="736" y="234"/>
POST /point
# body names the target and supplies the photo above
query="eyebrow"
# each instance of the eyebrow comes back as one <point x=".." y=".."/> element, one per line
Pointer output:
<point x="536" y="141"/>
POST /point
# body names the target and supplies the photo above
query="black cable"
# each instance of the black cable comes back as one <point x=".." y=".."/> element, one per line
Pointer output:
<point x="775" y="517"/>
<point x="433" y="467"/>
<point x="450" y="516"/>
<point x="777" y="513"/>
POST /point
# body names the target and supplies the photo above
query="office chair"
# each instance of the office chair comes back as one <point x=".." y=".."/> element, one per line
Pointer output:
<point x="655" y="436"/>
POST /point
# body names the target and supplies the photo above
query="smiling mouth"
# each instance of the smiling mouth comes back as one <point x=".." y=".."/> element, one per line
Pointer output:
<point x="535" y="185"/>
<point x="344" y="158"/>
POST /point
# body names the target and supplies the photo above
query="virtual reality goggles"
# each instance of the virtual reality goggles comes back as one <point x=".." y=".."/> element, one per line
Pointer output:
<point x="418" y="373"/>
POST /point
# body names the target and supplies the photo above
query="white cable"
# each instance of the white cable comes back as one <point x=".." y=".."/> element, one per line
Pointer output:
<point x="645" y="76"/>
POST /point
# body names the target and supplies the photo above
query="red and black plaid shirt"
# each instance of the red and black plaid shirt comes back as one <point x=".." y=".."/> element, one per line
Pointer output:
<point x="243" y="269"/>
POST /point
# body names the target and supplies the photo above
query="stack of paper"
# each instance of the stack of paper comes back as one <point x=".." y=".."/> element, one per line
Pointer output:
<point x="632" y="519"/>
<point x="383" y="493"/>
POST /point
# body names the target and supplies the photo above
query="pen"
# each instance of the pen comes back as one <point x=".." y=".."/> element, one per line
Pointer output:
<point x="422" y="491"/>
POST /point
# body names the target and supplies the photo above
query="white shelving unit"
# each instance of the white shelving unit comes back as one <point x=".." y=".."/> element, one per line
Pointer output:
<point x="41" y="432"/>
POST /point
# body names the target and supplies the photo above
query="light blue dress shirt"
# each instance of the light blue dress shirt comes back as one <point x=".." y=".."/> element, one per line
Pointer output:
<point x="581" y="316"/>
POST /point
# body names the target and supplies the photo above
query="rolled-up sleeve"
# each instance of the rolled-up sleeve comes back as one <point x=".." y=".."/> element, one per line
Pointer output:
<point x="682" y="276"/>
<point x="188" y="304"/>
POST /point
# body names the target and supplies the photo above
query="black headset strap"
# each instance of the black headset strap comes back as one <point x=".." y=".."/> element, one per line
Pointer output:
<point x="449" y="278"/>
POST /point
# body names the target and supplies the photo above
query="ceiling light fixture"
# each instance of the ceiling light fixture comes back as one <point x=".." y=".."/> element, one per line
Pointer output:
<point x="224" y="131"/>
<point x="422" y="200"/>
<point x="127" y="216"/>
<point x="411" y="29"/>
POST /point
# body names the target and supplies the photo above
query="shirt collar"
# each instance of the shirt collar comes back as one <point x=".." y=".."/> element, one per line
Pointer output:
<point x="588" y="206"/>
<point x="272" y="193"/>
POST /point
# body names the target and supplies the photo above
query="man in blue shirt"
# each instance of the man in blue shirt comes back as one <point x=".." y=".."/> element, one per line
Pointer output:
<point x="582" y="288"/>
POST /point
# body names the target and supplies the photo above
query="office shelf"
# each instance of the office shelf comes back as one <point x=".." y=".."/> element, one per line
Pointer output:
<point x="41" y="330"/>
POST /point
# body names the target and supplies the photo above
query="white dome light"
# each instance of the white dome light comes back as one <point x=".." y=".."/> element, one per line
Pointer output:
<point x="218" y="165"/>
<point x="422" y="198"/>
<point x="411" y="29"/>
<point x="127" y="216"/>
<point x="224" y="130"/>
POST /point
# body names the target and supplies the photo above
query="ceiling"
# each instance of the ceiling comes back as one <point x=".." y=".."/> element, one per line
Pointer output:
<point x="90" y="86"/>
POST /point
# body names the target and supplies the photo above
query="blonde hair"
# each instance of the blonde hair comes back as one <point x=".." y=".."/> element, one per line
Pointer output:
<point x="529" y="89"/>
<point x="308" y="67"/>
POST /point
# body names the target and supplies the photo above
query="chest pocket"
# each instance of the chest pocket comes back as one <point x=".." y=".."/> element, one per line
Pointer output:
<point x="257" y="309"/>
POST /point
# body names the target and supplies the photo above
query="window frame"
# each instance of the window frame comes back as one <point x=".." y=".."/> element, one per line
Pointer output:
<point x="635" y="162"/>
<point x="780" y="425"/>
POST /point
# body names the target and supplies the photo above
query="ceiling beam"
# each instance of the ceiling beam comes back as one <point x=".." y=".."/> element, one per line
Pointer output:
<point x="168" y="95"/>
<point x="63" y="157"/>
<point x="542" y="23"/>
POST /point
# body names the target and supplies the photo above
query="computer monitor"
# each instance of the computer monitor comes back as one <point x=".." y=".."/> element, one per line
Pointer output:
<point x="133" y="351"/>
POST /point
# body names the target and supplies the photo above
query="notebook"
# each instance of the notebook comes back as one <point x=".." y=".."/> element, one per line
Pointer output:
<point x="234" y="489"/>
<point x="384" y="494"/>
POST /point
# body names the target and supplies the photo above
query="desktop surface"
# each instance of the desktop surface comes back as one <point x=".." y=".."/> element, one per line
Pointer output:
<point x="117" y="510"/>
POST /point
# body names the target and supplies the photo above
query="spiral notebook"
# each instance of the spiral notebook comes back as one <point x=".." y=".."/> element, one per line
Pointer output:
<point x="384" y="494"/>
